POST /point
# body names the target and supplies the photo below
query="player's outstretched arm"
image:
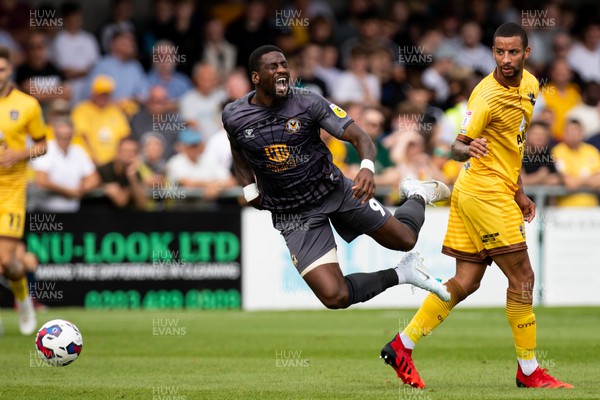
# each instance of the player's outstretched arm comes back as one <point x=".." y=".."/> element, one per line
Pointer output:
<point x="364" y="182"/>
<point x="462" y="152"/>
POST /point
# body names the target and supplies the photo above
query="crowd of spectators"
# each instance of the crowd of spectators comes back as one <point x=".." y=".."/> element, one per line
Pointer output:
<point x="135" y="108"/>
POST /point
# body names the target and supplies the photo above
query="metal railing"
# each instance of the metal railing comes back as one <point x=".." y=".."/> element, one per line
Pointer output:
<point x="36" y="195"/>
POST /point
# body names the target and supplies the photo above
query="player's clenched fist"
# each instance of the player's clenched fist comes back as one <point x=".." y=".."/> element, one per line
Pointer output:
<point x="364" y="185"/>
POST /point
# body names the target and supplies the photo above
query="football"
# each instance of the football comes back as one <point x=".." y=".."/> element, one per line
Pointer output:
<point x="59" y="342"/>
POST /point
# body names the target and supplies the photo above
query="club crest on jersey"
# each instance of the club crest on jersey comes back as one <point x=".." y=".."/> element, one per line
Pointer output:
<point x="293" y="125"/>
<point x="338" y="111"/>
<point x="248" y="133"/>
<point x="14" y="115"/>
<point x="531" y="98"/>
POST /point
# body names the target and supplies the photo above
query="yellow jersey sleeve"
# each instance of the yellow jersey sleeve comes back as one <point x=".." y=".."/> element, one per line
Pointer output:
<point x="36" y="126"/>
<point x="477" y="118"/>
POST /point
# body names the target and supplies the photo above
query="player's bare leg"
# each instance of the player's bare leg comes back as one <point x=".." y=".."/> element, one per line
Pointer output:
<point x="519" y="312"/>
<point x="328" y="284"/>
<point x="14" y="270"/>
<point x="398" y="352"/>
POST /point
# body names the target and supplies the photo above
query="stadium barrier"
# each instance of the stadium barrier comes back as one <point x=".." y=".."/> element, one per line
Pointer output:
<point x="562" y="247"/>
<point x="179" y="195"/>
<point x="129" y="260"/>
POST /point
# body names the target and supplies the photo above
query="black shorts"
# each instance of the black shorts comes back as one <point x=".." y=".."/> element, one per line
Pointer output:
<point x="308" y="234"/>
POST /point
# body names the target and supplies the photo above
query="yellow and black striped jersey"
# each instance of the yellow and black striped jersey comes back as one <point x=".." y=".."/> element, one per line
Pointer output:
<point x="501" y="115"/>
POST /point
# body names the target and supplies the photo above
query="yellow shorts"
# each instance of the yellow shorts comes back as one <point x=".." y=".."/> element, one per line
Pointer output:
<point x="12" y="206"/>
<point x="482" y="226"/>
<point x="12" y="222"/>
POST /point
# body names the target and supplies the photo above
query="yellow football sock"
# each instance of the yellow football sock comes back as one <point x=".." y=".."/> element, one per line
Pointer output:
<point x="433" y="311"/>
<point x="19" y="288"/>
<point x="519" y="312"/>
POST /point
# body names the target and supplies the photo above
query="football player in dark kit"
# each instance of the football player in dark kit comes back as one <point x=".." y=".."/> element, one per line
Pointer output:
<point x="286" y="168"/>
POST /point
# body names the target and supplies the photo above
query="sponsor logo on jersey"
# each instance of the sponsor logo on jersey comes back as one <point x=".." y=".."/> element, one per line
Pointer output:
<point x="293" y="125"/>
<point x="277" y="153"/>
<point x="466" y="119"/>
<point x="338" y="111"/>
<point x="14" y="115"/>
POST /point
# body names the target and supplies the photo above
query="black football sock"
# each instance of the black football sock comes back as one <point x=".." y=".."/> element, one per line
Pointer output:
<point x="412" y="213"/>
<point x="364" y="286"/>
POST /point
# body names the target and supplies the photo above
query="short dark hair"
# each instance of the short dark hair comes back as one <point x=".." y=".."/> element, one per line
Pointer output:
<point x="511" y="29"/>
<point x="128" y="139"/>
<point x="5" y="53"/>
<point x="254" y="60"/>
<point x="69" y="8"/>
<point x="359" y="51"/>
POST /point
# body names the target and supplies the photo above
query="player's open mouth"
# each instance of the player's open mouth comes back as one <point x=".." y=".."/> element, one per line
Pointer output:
<point x="281" y="85"/>
<point x="507" y="69"/>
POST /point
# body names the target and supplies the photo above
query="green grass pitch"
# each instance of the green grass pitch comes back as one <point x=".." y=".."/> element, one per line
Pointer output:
<point x="166" y="355"/>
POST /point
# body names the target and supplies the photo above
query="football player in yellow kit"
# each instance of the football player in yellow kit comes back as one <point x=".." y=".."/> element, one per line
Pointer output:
<point x="487" y="212"/>
<point x="20" y="115"/>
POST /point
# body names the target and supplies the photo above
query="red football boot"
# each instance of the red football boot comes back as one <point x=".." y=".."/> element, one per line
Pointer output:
<point x="400" y="358"/>
<point x="539" y="379"/>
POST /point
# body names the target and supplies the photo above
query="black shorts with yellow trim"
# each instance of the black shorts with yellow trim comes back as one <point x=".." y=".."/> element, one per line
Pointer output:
<point x="483" y="226"/>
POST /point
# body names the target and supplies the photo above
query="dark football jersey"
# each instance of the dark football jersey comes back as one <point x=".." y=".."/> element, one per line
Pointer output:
<point x="282" y="144"/>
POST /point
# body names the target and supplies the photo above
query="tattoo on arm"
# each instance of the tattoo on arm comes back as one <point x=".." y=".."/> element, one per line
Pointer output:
<point x="459" y="151"/>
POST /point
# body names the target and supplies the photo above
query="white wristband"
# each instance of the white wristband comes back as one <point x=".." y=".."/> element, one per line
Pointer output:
<point x="368" y="164"/>
<point x="250" y="192"/>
